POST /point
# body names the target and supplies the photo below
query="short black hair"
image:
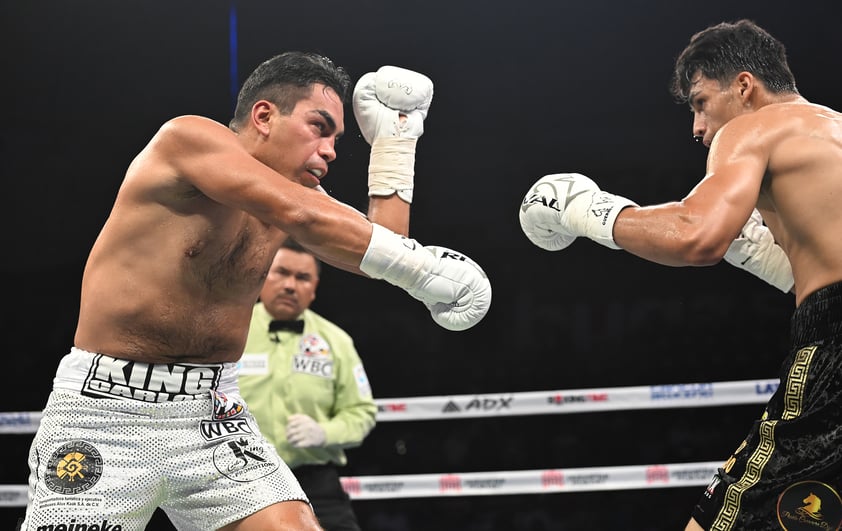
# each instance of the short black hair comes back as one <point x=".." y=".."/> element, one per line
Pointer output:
<point x="724" y="50"/>
<point x="293" y="245"/>
<point x="287" y="78"/>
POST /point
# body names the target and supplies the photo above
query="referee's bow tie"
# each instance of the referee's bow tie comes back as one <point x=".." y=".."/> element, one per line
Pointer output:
<point x="280" y="325"/>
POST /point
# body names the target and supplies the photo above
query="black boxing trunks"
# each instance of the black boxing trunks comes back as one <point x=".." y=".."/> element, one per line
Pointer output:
<point x="787" y="473"/>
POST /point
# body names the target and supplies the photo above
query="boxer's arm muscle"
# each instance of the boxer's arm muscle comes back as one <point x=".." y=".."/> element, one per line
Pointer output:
<point x="698" y="229"/>
<point x="208" y="155"/>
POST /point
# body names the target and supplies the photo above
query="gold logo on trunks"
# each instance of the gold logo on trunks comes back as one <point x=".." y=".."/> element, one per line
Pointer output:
<point x="809" y="505"/>
<point x="73" y="468"/>
<point x="133" y="380"/>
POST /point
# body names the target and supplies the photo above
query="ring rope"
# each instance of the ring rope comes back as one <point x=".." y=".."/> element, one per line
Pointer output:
<point x="530" y="403"/>
<point x="508" y="404"/>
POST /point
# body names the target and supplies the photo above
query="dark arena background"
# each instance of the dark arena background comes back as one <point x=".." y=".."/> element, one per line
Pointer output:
<point x="522" y="89"/>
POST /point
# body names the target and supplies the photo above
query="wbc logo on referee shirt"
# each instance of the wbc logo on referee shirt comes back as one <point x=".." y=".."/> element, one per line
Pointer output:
<point x="314" y="357"/>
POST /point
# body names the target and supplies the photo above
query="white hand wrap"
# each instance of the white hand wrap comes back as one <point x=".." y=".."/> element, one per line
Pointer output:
<point x="452" y="286"/>
<point x="563" y="206"/>
<point x="391" y="167"/>
<point x="304" y="432"/>
<point x="755" y="251"/>
<point x="390" y="106"/>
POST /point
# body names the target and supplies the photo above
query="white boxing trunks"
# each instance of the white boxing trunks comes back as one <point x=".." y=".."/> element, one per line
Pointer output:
<point x="119" y="438"/>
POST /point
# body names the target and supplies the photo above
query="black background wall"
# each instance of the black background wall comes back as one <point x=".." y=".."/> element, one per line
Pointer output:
<point x="521" y="90"/>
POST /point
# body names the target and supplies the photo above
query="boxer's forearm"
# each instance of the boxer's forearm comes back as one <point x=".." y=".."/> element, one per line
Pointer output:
<point x="390" y="211"/>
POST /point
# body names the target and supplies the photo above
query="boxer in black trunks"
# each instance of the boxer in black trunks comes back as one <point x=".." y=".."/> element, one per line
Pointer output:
<point x="795" y="449"/>
<point x="770" y="204"/>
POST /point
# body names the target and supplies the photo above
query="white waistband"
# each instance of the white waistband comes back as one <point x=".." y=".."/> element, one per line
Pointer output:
<point x="102" y="376"/>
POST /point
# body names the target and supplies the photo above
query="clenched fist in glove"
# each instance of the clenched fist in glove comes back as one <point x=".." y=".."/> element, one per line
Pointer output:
<point x="390" y="106"/>
<point x="304" y="432"/>
<point x="451" y="285"/>
<point x="561" y="207"/>
<point x="755" y="251"/>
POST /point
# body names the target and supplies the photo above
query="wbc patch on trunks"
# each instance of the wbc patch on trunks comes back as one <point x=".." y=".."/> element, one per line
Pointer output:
<point x="228" y="418"/>
<point x="134" y="380"/>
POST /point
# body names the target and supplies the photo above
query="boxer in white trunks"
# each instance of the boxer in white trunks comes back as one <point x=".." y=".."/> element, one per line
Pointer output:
<point x="145" y="411"/>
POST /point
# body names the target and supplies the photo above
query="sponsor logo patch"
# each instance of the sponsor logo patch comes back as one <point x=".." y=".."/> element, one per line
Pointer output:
<point x="213" y="430"/>
<point x="133" y="380"/>
<point x="72" y="525"/>
<point x="253" y="363"/>
<point x="244" y="459"/>
<point x="73" y="468"/>
<point x="711" y="488"/>
<point x="363" y="386"/>
<point x="809" y="505"/>
<point x="225" y="407"/>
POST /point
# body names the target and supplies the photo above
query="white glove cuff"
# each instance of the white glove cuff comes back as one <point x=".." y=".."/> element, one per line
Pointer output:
<point x="779" y="271"/>
<point x="396" y="259"/>
<point x="600" y="216"/>
<point x="391" y="167"/>
<point x="768" y="263"/>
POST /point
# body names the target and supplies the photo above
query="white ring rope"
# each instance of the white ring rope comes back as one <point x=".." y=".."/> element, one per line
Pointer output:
<point x="497" y="483"/>
<point x="530" y="481"/>
<point x="577" y="400"/>
<point x="509" y="404"/>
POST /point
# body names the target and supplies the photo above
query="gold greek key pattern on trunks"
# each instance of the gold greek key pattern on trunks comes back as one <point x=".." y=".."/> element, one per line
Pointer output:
<point x="796" y="382"/>
<point x="793" y="405"/>
<point x="731" y="505"/>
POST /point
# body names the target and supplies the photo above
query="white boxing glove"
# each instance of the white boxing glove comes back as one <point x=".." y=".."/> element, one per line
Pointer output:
<point x="755" y="251"/>
<point x="390" y="106"/>
<point x="452" y="286"/>
<point x="304" y="432"/>
<point x="563" y="206"/>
